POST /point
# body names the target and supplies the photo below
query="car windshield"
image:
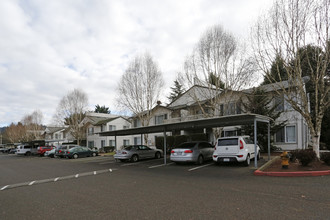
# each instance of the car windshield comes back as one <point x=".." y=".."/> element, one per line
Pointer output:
<point x="228" y="142"/>
<point x="187" y="145"/>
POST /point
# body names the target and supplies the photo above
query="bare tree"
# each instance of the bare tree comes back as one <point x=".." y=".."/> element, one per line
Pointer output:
<point x="15" y="133"/>
<point x="283" y="31"/>
<point x="219" y="63"/>
<point x="33" y="125"/>
<point x="140" y="87"/>
<point x="71" y="111"/>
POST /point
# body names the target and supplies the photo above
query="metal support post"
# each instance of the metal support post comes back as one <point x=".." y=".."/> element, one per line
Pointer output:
<point x="268" y="141"/>
<point x="255" y="144"/>
<point x="164" y="147"/>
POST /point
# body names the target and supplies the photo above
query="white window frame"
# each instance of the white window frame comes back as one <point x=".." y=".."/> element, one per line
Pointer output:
<point x="91" y="131"/>
<point x="286" y="136"/>
<point x="126" y="142"/>
<point x="112" y="127"/>
<point x="112" y="143"/>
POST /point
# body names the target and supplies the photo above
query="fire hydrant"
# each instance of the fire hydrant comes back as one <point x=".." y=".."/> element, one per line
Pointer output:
<point x="285" y="160"/>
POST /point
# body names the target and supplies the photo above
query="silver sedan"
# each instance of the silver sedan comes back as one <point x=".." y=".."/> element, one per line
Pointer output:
<point x="192" y="152"/>
<point x="136" y="152"/>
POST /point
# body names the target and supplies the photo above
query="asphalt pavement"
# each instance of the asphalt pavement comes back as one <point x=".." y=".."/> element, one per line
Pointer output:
<point x="100" y="188"/>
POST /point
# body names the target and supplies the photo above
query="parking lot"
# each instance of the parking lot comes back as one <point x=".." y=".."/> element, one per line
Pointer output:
<point x="100" y="187"/>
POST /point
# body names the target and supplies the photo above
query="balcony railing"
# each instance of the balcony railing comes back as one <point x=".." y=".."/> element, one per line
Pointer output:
<point x="185" y="118"/>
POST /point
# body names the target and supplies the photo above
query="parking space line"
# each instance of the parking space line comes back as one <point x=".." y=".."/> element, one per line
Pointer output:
<point x="161" y="165"/>
<point x="129" y="164"/>
<point x="35" y="182"/>
<point x="195" y="168"/>
<point x="3" y="188"/>
<point x="30" y="184"/>
<point x="107" y="162"/>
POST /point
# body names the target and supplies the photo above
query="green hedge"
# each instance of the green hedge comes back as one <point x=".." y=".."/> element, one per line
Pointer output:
<point x="107" y="149"/>
<point x="198" y="137"/>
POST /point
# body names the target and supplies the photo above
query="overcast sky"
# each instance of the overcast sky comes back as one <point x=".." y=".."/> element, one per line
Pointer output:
<point x="48" y="48"/>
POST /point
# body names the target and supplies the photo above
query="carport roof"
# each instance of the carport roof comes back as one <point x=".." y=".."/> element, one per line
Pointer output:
<point x="223" y="121"/>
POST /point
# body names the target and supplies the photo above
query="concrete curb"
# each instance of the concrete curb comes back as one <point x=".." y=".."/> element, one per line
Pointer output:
<point x="260" y="171"/>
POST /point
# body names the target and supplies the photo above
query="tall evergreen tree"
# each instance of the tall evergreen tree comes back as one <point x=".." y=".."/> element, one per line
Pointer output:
<point x="258" y="102"/>
<point x="102" y="109"/>
<point x="277" y="72"/>
<point x="177" y="91"/>
<point x="216" y="81"/>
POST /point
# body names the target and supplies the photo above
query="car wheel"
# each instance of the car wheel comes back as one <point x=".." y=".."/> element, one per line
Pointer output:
<point x="258" y="155"/>
<point x="28" y="153"/>
<point x="157" y="155"/>
<point x="135" y="158"/>
<point x="75" y="156"/>
<point x="94" y="154"/>
<point x="200" y="160"/>
<point x="247" y="161"/>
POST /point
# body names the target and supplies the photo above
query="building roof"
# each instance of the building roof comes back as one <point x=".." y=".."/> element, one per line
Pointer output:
<point x="102" y="122"/>
<point x="50" y="130"/>
<point x="196" y="92"/>
<point x="99" y="118"/>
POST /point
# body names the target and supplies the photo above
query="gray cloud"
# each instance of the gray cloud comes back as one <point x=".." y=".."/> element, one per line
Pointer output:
<point x="48" y="48"/>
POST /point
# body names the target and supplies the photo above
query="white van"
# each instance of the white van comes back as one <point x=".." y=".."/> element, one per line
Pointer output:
<point x="27" y="150"/>
<point x="235" y="149"/>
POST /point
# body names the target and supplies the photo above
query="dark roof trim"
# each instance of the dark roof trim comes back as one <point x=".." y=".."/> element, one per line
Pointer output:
<point x="223" y="121"/>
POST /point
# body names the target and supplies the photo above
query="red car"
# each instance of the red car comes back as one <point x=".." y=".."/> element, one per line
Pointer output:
<point x="43" y="149"/>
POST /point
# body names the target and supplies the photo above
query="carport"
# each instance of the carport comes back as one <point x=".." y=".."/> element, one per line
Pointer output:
<point x="223" y="121"/>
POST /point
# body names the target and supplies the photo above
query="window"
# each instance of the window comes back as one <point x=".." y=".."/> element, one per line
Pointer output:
<point x="221" y="110"/>
<point x="91" y="131"/>
<point x="125" y="127"/>
<point x="137" y="123"/>
<point x="279" y="136"/>
<point x="279" y="103"/>
<point x="290" y="134"/>
<point x="112" y="143"/>
<point x="91" y="144"/>
<point x="159" y="119"/>
<point x="56" y="136"/>
<point x="102" y="143"/>
<point x="102" y="128"/>
<point x="126" y="142"/>
<point x="231" y="108"/>
<point x="286" y="134"/>
<point x="137" y="140"/>
<point x="112" y="127"/>
<point x="238" y="108"/>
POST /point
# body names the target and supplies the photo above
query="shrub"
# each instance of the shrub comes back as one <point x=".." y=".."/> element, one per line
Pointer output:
<point x="293" y="155"/>
<point x="180" y="139"/>
<point x="305" y="156"/>
<point x="326" y="157"/>
<point x="107" y="149"/>
<point x="198" y="137"/>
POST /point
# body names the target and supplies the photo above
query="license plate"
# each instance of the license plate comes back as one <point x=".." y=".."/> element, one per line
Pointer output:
<point x="226" y="160"/>
<point x="179" y="153"/>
